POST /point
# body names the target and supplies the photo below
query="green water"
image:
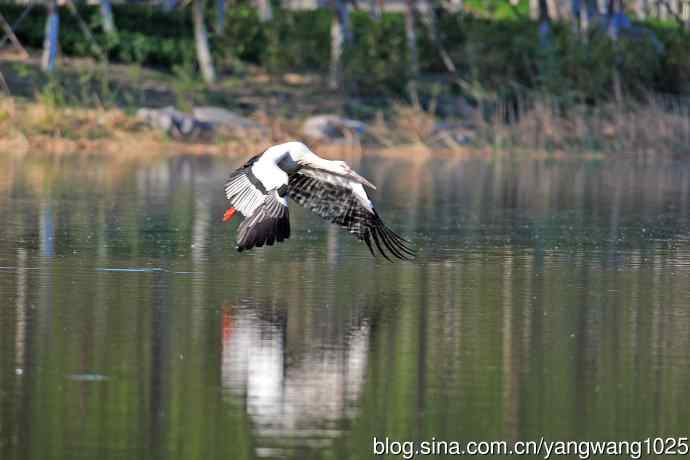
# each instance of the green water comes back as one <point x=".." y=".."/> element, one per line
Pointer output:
<point x="548" y="299"/>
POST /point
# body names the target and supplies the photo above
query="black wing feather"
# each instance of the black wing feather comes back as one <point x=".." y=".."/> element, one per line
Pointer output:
<point x="269" y="223"/>
<point x="339" y="205"/>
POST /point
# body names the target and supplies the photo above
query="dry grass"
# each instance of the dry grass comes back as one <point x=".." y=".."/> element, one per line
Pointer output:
<point x="49" y="116"/>
<point x="39" y="128"/>
<point x="657" y="126"/>
<point x="413" y="122"/>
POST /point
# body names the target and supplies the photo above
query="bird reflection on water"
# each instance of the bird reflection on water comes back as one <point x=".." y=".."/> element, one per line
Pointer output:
<point x="306" y="395"/>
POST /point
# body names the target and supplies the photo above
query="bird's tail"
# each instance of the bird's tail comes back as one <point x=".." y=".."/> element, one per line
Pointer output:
<point x="229" y="214"/>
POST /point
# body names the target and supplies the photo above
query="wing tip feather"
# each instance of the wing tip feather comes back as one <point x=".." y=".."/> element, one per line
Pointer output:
<point x="268" y="225"/>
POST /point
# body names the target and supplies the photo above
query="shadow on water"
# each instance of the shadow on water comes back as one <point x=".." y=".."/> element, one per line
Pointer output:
<point x="549" y="298"/>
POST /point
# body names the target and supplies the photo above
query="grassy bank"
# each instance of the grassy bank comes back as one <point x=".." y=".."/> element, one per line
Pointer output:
<point x="510" y="93"/>
<point x="88" y="108"/>
<point x="512" y="86"/>
<point x="651" y="130"/>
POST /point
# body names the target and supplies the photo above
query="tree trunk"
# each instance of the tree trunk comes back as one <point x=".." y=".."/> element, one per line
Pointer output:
<point x="610" y="17"/>
<point x="534" y="9"/>
<point x="265" y="10"/>
<point x="610" y="8"/>
<point x="553" y="10"/>
<point x="431" y="22"/>
<point x="169" y="5"/>
<point x="107" y="17"/>
<point x="586" y="16"/>
<point x="412" y="53"/>
<point x="590" y="15"/>
<point x="220" y="16"/>
<point x="340" y="38"/>
<point x="376" y="9"/>
<point x="203" y="52"/>
<point x="600" y="6"/>
<point x="455" y="6"/>
<point x="50" y="42"/>
<point x="592" y="9"/>
<point x="576" y="15"/>
<point x="566" y="9"/>
<point x="544" y="23"/>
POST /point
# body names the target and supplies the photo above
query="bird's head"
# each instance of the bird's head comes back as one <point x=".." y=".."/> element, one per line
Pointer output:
<point x="343" y="169"/>
<point x="308" y="159"/>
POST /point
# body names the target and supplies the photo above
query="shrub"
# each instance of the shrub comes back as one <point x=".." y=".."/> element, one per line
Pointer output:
<point x="500" y="58"/>
<point x="376" y="63"/>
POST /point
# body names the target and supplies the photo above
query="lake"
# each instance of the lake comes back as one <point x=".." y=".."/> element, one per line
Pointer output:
<point x="548" y="299"/>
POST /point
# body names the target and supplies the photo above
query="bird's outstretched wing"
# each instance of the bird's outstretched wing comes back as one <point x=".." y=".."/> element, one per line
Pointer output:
<point x="244" y="190"/>
<point x="266" y="211"/>
<point x="269" y="223"/>
<point x="339" y="204"/>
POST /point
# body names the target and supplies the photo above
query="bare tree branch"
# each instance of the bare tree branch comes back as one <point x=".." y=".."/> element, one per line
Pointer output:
<point x="18" y="22"/>
<point x="675" y="15"/>
<point x="4" y="84"/>
<point x="13" y="38"/>
<point x="85" y="29"/>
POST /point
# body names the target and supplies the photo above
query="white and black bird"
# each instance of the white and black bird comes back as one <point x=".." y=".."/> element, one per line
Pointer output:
<point x="260" y="188"/>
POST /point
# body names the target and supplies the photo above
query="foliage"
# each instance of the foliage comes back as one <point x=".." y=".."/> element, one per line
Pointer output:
<point x="297" y="41"/>
<point x="242" y="39"/>
<point x="52" y="94"/>
<point x="496" y="59"/>
<point x="673" y="74"/>
<point x="185" y="86"/>
<point x="377" y="61"/>
<point x="498" y="9"/>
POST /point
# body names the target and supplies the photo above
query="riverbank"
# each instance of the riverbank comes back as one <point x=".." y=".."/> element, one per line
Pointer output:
<point x="37" y="128"/>
<point x="31" y="127"/>
<point x="92" y="109"/>
<point x="88" y="107"/>
<point x="649" y="131"/>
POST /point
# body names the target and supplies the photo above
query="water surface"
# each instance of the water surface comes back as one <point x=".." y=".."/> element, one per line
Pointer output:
<point x="549" y="298"/>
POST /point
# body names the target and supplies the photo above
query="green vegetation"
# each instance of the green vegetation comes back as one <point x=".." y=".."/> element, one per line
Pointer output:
<point x="487" y="71"/>
<point x="498" y="56"/>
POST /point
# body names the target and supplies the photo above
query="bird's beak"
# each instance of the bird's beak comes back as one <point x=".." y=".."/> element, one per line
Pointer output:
<point x="357" y="178"/>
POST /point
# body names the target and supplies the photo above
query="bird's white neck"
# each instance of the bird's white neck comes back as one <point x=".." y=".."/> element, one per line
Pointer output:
<point x="276" y="153"/>
<point x="292" y="155"/>
<point x="316" y="162"/>
<point x="289" y="155"/>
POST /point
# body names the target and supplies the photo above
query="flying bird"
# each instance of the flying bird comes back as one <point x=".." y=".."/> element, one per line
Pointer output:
<point x="260" y="188"/>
